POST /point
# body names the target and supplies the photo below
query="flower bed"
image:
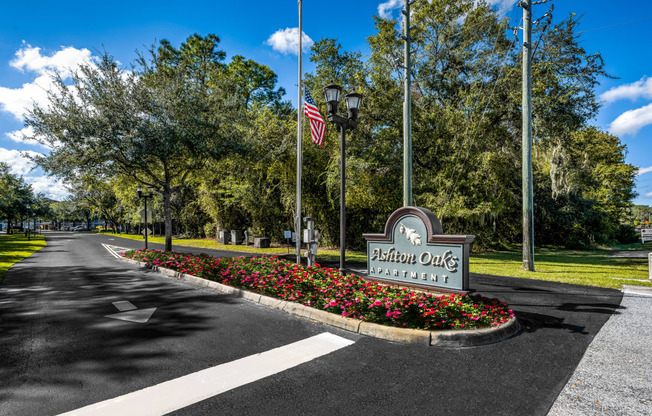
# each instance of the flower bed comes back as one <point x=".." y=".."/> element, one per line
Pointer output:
<point x="327" y="289"/>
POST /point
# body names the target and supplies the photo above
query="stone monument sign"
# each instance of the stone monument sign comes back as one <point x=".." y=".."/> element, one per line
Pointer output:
<point x="414" y="251"/>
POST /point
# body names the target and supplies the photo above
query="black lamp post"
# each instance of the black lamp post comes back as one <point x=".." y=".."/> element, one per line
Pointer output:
<point x="332" y="93"/>
<point x="145" y="196"/>
<point x="29" y="211"/>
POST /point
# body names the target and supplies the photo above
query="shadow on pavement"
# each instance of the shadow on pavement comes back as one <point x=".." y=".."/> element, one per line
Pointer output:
<point x="39" y="317"/>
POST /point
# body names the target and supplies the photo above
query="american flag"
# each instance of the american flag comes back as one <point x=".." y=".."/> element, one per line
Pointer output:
<point x="317" y="125"/>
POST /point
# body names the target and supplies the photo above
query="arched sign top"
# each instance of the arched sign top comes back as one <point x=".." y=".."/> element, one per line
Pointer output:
<point x="434" y="230"/>
<point x="414" y="251"/>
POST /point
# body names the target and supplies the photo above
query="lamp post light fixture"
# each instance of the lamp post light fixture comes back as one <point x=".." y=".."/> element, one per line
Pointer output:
<point x="353" y="100"/>
<point x="145" y="196"/>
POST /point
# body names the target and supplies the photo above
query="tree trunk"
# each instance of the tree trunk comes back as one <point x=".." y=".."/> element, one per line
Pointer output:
<point x="167" y="212"/>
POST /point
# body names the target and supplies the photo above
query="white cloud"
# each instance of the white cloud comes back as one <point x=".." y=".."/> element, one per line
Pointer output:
<point x="630" y="122"/>
<point x="18" y="101"/>
<point x="639" y="89"/>
<point x="286" y="41"/>
<point x="644" y="170"/>
<point x="50" y="187"/>
<point x="22" y="166"/>
<point x="503" y="6"/>
<point x="385" y="9"/>
<point x="18" y="164"/>
<point x="649" y="194"/>
<point x="20" y="136"/>
<point x="64" y="61"/>
<point x="26" y="135"/>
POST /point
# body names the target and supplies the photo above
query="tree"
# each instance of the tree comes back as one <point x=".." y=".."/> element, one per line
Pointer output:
<point x="464" y="153"/>
<point x="65" y="210"/>
<point x="155" y="124"/>
<point x="217" y="143"/>
<point x="98" y="196"/>
<point x="586" y="190"/>
<point x="466" y="122"/>
<point x="255" y="83"/>
<point x="371" y="168"/>
<point x="15" y="197"/>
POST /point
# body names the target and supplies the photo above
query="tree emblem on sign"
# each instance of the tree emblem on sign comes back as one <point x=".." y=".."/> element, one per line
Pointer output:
<point x="411" y="235"/>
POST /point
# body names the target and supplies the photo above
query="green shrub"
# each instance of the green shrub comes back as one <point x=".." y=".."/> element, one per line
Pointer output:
<point x="626" y="234"/>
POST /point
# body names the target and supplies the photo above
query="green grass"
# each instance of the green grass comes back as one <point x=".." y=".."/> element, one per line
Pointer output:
<point x="630" y="247"/>
<point x="205" y="243"/>
<point x="582" y="267"/>
<point x="326" y="253"/>
<point x="14" y="248"/>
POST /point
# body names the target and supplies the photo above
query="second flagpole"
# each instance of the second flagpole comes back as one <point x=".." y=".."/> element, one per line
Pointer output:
<point x="297" y="219"/>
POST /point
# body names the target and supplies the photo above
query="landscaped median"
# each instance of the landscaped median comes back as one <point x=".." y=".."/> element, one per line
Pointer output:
<point x="348" y="302"/>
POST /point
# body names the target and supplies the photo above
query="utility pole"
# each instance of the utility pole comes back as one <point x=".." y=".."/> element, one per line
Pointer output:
<point x="528" y="194"/>
<point x="407" y="107"/>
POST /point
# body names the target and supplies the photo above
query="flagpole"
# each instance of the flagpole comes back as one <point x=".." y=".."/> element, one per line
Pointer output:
<point x="297" y="219"/>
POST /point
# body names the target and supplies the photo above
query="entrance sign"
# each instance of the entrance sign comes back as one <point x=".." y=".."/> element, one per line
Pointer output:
<point x="414" y="251"/>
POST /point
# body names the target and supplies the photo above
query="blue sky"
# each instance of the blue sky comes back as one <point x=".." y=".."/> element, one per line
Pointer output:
<point x="38" y="36"/>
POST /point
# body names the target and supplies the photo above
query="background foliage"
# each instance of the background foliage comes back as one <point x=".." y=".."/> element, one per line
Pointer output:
<point x="217" y="142"/>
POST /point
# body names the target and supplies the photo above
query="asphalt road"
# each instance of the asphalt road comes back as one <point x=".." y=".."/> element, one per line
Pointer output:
<point x="60" y="352"/>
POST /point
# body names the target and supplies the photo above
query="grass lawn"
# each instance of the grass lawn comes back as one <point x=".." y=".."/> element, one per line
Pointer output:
<point x="14" y="248"/>
<point x="582" y="267"/>
<point x="331" y="254"/>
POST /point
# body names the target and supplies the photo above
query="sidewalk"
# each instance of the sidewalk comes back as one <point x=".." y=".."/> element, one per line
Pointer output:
<point x="615" y="374"/>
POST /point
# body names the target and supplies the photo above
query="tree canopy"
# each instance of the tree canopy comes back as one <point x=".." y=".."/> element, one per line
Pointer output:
<point x="215" y="140"/>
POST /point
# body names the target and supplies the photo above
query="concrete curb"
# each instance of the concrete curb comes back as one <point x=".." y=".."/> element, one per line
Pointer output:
<point x="475" y="337"/>
<point x="631" y="290"/>
<point x="446" y="339"/>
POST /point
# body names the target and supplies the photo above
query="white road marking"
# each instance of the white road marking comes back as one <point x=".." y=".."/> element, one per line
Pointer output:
<point x="183" y="391"/>
<point x="139" y="316"/>
<point x="114" y="250"/>
<point x="124" y="305"/>
<point x="111" y="251"/>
